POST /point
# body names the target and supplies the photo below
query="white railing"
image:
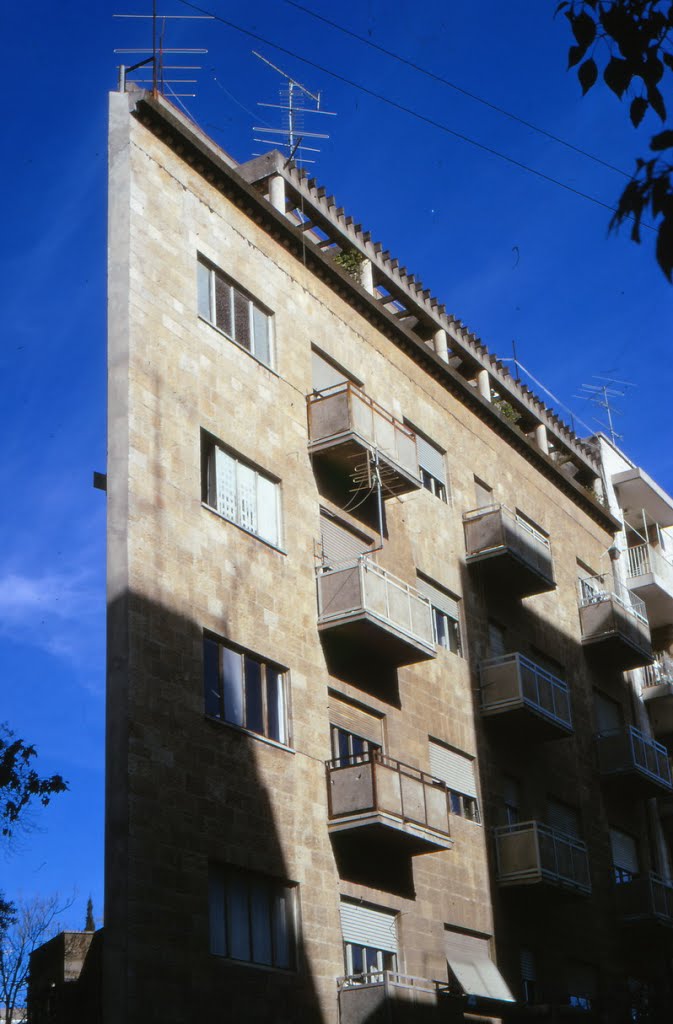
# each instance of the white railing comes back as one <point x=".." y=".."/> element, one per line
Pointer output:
<point x="592" y="590"/>
<point x="660" y="673"/>
<point x="363" y="586"/>
<point x="393" y="979"/>
<point x="644" y="559"/>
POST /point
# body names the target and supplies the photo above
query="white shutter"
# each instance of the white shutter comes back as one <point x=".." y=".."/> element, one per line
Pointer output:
<point x="339" y="544"/>
<point x="324" y="373"/>
<point x="367" y="926"/>
<point x="247" y="497"/>
<point x="356" y="720"/>
<point x="608" y="714"/>
<point x="225" y="477"/>
<point x="438" y="598"/>
<point x="456" y="770"/>
<point x="469" y="957"/>
<point x="431" y="459"/>
<point x="624" y="851"/>
<point x="563" y="818"/>
<point x="268" y="510"/>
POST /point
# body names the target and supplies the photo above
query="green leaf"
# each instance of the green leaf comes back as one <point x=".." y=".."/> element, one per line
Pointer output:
<point x="587" y="74"/>
<point x="575" y="54"/>
<point x="584" y="28"/>
<point x="618" y="75"/>
<point x="664" y="140"/>
<point x="638" y="108"/>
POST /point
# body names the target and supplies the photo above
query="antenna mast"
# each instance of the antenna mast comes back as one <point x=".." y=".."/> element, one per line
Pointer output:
<point x="292" y="135"/>
<point x="603" y="396"/>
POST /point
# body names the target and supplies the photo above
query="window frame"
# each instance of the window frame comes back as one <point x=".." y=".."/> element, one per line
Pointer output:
<point x="284" y="738"/>
<point x="439" y="489"/>
<point x="279" y="926"/>
<point x="237" y="293"/>
<point x="209" y="489"/>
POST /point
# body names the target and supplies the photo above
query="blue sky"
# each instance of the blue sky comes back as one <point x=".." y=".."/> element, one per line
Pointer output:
<point x="514" y="256"/>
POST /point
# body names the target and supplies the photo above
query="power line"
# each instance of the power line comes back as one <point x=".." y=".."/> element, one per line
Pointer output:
<point x="459" y="88"/>
<point x="413" y="113"/>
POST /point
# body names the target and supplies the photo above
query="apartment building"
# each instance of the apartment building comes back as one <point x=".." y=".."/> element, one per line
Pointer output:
<point x="358" y="630"/>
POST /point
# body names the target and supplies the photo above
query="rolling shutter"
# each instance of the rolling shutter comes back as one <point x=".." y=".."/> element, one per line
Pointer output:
<point x="438" y="598"/>
<point x="356" y="720"/>
<point x="456" y="770"/>
<point x="624" y="851"/>
<point x="527" y="965"/>
<point x="497" y="645"/>
<point x="339" y="544"/>
<point x="469" y="958"/>
<point x="367" y="926"/>
<point x="608" y="714"/>
<point x="563" y="818"/>
<point x="324" y="374"/>
<point x="431" y="459"/>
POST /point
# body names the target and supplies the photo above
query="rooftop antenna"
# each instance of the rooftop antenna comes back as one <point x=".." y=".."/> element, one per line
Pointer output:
<point x="157" y="52"/>
<point x="292" y="135"/>
<point x="603" y="395"/>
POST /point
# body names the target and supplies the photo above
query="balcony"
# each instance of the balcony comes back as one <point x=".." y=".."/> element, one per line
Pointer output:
<point x="658" y="696"/>
<point x="374" y="799"/>
<point x="614" y="628"/>
<point x="371" y="614"/>
<point x="530" y="853"/>
<point x="645" y="899"/>
<point x="387" y="997"/>
<point x="650" y="576"/>
<point x="344" y="425"/>
<point x="628" y="755"/>
<point x="511" y="551"/>
<point x="525" y="696"/>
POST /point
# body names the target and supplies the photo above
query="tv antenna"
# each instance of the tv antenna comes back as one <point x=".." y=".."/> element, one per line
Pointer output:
<point x="158" y="51"/>
<point x="603" y="395"/>
<point x="291" y="136"/>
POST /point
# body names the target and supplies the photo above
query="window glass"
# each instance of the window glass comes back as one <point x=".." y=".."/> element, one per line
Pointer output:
<point x="260" y="915"/>
<point x="203" y="290"/>
<point x="267" y="509"/>
<point x="246" y="481"/>
<point x="242" y="494"/>
<point x="227" y="307"/>
<point x="238" y="923"/>
<point x="241" y="319"/>
<point x="262" y="341"/>
<point x="223" y="305"/>
<point x="251" y="917"/>
<point x="244" y="690"/>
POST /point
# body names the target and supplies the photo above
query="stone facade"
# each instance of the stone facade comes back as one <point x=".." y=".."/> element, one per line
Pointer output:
<point x="188" y="795"/>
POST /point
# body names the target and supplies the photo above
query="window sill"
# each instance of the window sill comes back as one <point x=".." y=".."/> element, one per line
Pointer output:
<point x="287" y="971"/>
<point x="255" y="736"/>
<point x="274" y="547"/>
<point x="238" y="345"/>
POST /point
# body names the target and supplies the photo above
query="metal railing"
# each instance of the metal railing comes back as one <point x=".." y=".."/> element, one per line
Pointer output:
<point x="496" y="526"/>
<point x="642" y="896"/>
<point x="344" y="409"/>
<point x="512" y="678"/>
<point x="394" y="979"/>
<point x="644" y="559"/>
<point x="592" y="590"/>
<point x="359" y="586"/>
<point x="531" y="851"/>
<point x="622" y="750"/>
<point x="660" y="672"/>
<point x="378" y="783"/>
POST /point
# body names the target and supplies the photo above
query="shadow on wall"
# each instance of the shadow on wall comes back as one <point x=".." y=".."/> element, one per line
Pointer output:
<point x="199" y="896"/>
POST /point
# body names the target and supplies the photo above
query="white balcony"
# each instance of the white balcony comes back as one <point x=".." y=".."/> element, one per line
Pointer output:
<point x="515" y="555"/>
<point x="531" y="853"/>
<point x="374" y="798"/>
<point x="614" y="627"/>
<point x="658" y="696"/>
<point x="370" y="613"/>
<point x="650" y="576"/>
<point x="527" y="698"/>
<point x="636" y="490"/>
<point x="387" y="997"/>
<point x="344" y="425"/>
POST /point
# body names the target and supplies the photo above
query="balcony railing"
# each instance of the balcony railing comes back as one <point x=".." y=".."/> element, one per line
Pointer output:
<point x="343" y="420"/>
<point x="650" y="574"/>
<point x="658" y="696"/>
<point x="617" y="625"/>
<point x="507" y="543"/>
<point x="644" y="898"/>
<point x="388" y="997"/>
<point x="365" y="604"/>
<point x="513" y="683"/>
<point x="372" y="793"/>
<point x="629" y="753"/>
<point x="530" y="852"/>
<point x="659" y="673"/>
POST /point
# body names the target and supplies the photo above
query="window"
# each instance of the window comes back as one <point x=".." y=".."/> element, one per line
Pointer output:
<point x="483" y="494"/>
<point x="370" y="940"/>
<point x="241" y="493"/>
<point x="445" y="615"/>
<point x="564" y="818"/>
<point x="355" y="731"/>
<point x="347" y="746"/>
<point x="582" y="985"/>
<point x="472" y="971"/>
<point x="497" y="640"/>
<point x="625" y="860"/>
<point x="528" y="976"/>
<point x="432" y="466"/>
<point x="252" y="918"/>
<point x="224" y="305"/>
<point x="243" y="690"/>
<point x="457" y="771"/>
<point x="325" y="373"/>
<point x="511" y="795"/>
